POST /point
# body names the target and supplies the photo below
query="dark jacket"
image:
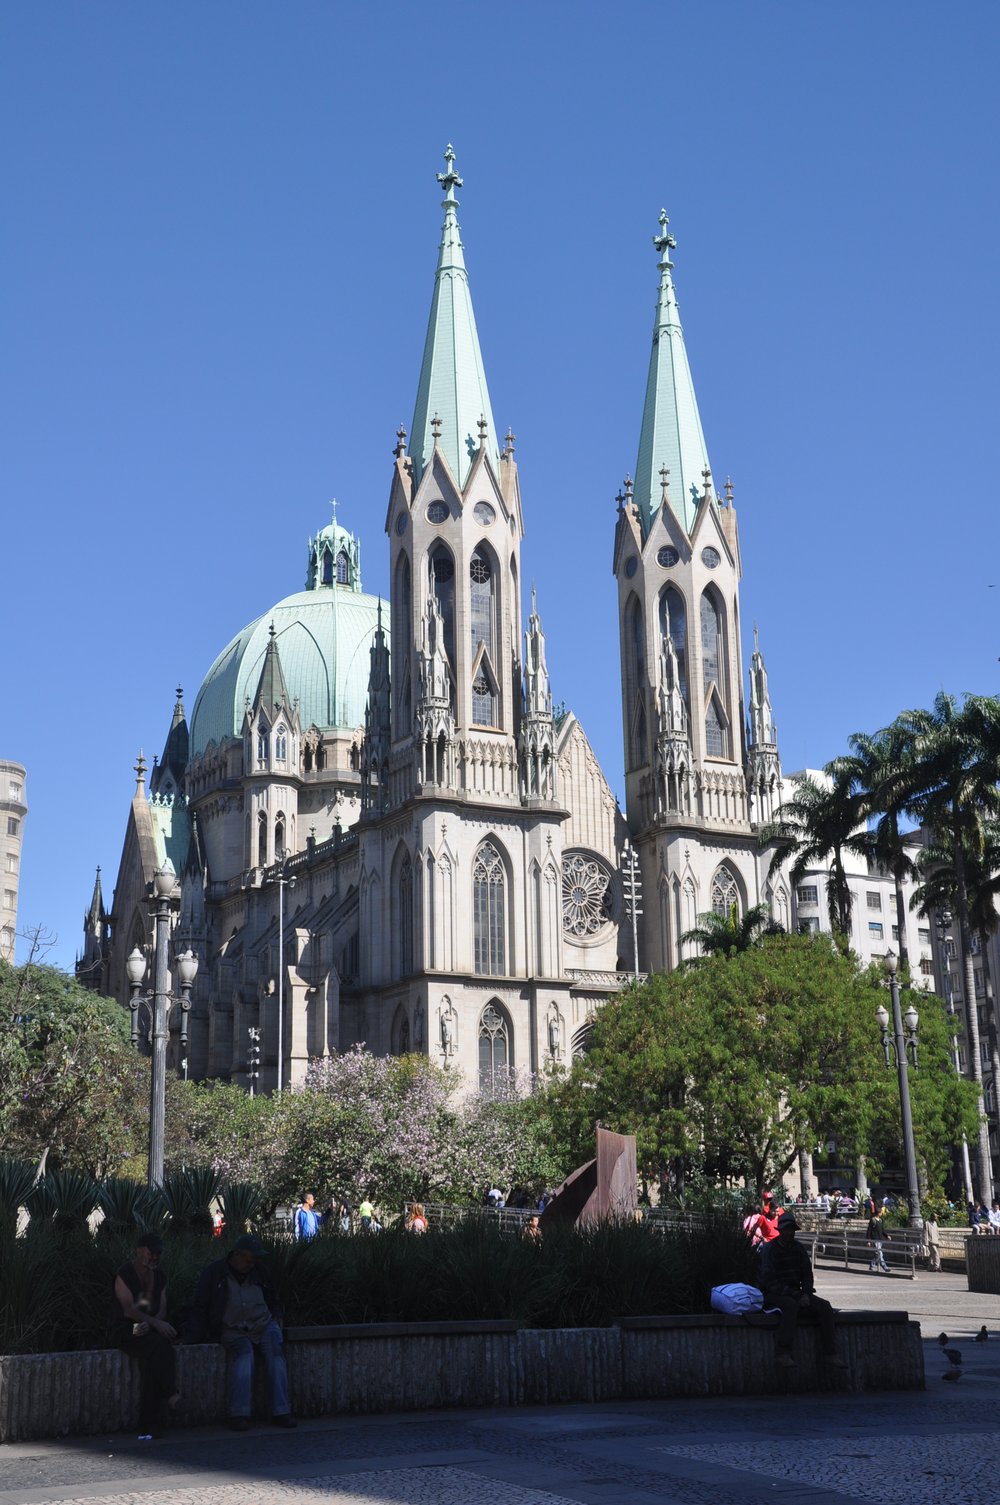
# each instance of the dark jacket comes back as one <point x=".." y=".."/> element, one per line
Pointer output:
<point x="785" y="1270"/>
<point x="209" y="1307"/>
<point x="876" y="1230"/>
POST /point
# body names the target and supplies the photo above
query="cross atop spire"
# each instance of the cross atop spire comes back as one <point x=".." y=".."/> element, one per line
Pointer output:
<point x="508" y="443"/>
<point x="664" y="242"/>
<point x="449" y="179"/>
<point x="140" y="770"/>
<point x="482" y="426"/>
<point x="436" y="427"/>
<point x="400" y="449"/>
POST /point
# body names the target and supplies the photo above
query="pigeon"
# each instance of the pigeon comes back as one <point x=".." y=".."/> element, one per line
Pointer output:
<point x="954" y="1375"/>
<point x="953" y="1356"/>
<point x="943" y="1339"/>
<point x="982" y="1335"/>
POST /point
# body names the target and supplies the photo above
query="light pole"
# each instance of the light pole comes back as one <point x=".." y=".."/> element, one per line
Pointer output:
<point x="253" y="1056"/>
<point x="158" y="1003"/>
<point x="282" y="881"/>
<point x="902" y="1047"/>
<point x="632" y="884"/>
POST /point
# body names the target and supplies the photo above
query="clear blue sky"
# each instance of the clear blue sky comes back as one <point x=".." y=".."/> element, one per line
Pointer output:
<point x="220" y="228"/>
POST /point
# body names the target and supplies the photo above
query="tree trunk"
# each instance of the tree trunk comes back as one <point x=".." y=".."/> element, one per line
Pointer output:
<point x="806" y="1178"/>
<point x="994" y="1033"/>
<point x="984" y="1163"/>
<point x="904" y="950"/>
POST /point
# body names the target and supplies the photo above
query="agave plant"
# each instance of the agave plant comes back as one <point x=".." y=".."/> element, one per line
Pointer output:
<point x="74" y="1196"/>
<point x="188" y="1196"/>
<point x="17" y="1178"/>
<point x="124" y="1203"/>
<point x="242" y="1205"/>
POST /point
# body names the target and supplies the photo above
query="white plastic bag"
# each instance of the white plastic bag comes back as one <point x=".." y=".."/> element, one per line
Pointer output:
<point x="736" y="1299"/>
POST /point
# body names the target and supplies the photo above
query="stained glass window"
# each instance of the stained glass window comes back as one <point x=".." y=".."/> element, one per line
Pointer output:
<point x="725" y="891"/>
<point x="673" y="619"/>
<point x="586" y="894"/>
<point x="715" y="732"/>
<point x="488" y="916"/>
<point x="711" y="641"/>
<point x="494" y="1048"/>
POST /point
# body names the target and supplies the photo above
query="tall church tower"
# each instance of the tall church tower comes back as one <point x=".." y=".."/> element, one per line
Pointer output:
<point x="460" y="834"/>
<point x="677" y="563"/>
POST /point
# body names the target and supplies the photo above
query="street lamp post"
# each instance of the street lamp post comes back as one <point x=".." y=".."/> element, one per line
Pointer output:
<point x="158" y="1003"/>
<point x="632" y="884"/>
<point x="282" y="881"/>
<point x="902" y="1046"/>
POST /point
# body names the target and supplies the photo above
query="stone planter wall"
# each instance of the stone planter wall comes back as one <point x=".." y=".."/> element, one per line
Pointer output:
<point x="415" y="1365"/>
<point x="982" y="1263"/>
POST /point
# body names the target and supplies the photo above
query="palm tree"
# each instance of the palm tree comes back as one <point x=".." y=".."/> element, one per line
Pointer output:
<point x="952" y="788"/>
<point x="878" y="769"/>
<point x="814" y="828"/>
<point x="723" y="934"/>
<point x="938" y="892"/>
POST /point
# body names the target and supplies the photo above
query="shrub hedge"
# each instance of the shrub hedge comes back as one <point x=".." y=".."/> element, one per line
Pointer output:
<point x="56" y="1290"/>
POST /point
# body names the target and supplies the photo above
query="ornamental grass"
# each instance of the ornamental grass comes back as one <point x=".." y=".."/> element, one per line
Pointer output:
<point x="56" y="1289"/>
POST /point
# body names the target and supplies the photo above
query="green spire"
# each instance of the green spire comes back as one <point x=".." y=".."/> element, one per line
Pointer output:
<point x="452" y="386"/>
<point x="671" y="428"/>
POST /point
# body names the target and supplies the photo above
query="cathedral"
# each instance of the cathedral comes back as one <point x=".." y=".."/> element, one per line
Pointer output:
<point x="382" y="829"/>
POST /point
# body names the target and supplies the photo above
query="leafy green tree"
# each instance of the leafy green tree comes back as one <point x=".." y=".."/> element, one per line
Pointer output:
<point x="814" y="829"/>
<point x="722" y="934"/>
<point x="729" y="1069"/>
<point x="73" y="1092"/>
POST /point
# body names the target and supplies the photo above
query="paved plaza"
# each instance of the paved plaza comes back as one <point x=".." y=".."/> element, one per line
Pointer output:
<point x="937" y="1445"/>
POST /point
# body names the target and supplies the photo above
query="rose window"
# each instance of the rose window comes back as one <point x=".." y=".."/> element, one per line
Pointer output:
<point x="586" y="893"/>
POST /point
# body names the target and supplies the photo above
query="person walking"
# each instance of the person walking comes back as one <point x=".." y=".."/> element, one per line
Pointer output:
<point x="307" y="1219"/>
<point x="145" y="1334"/>
<point x="366" y="1213"/>
<point x="932" y="1239"/>
<point x="877" y="1235"/>
<point x="235" y="1305"/>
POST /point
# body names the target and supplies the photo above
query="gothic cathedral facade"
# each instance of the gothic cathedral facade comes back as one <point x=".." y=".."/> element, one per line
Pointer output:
<point x="382" y="830"/>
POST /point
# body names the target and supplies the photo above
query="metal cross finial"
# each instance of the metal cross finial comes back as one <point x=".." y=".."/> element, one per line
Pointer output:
<point x="728" y="488"/>
<point x="621" y="502"/>
<point x="482" y="426"/>
<point x="508" y="443"/>
<point x="665" y="478"/>
<point x="333" y="509"/>
<point x="664" y="242"/>
<point x="756" y="643"/>
<point x="706" y="476"/>
<point x="400" y="442"/>
<point x="180" y="692"/>
<point x="628" y="488"/>
<point x="140" y="770"/>
<point x="449" y="179"/>
<point x="436" y="428"/>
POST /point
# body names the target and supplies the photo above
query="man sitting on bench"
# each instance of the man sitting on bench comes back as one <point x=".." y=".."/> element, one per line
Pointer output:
<point x="786" y="1279"/>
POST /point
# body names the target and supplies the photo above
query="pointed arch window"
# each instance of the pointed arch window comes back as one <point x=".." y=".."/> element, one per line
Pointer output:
<point x="263" y="741"/>
<point x="280" y="745"/>
<point x="405" y="902"/>
<point x="481" y="601"/>
<point x="715" y="732"/>
<point x="404" y="1038"/>
<point x="635" y="679"/>
<point x="327" y="567"/>
<point x="673" y="620"/>
<point x="279" y="837"/>
<point x="402" y="605"/>
<point x="343" y="568"/>
<point x="495" y="1053"/>
<point x="725" y="891"/>
<point x="712" y="643"/>
<point x="489" y="912"/>
<point x="484" y="697"/>
<point x="262" y="839"/>
<point x="442" y="568"/>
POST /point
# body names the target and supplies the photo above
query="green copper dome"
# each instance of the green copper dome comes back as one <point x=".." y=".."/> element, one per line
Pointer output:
<point x="323" y="636"/>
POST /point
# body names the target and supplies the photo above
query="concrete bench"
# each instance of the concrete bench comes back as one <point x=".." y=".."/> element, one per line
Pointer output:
<point x="407" y="1366"/>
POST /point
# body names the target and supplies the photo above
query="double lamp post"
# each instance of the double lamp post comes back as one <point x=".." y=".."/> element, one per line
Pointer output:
<point x="902" y="1046"/>
<point x="158" y="1003"/>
